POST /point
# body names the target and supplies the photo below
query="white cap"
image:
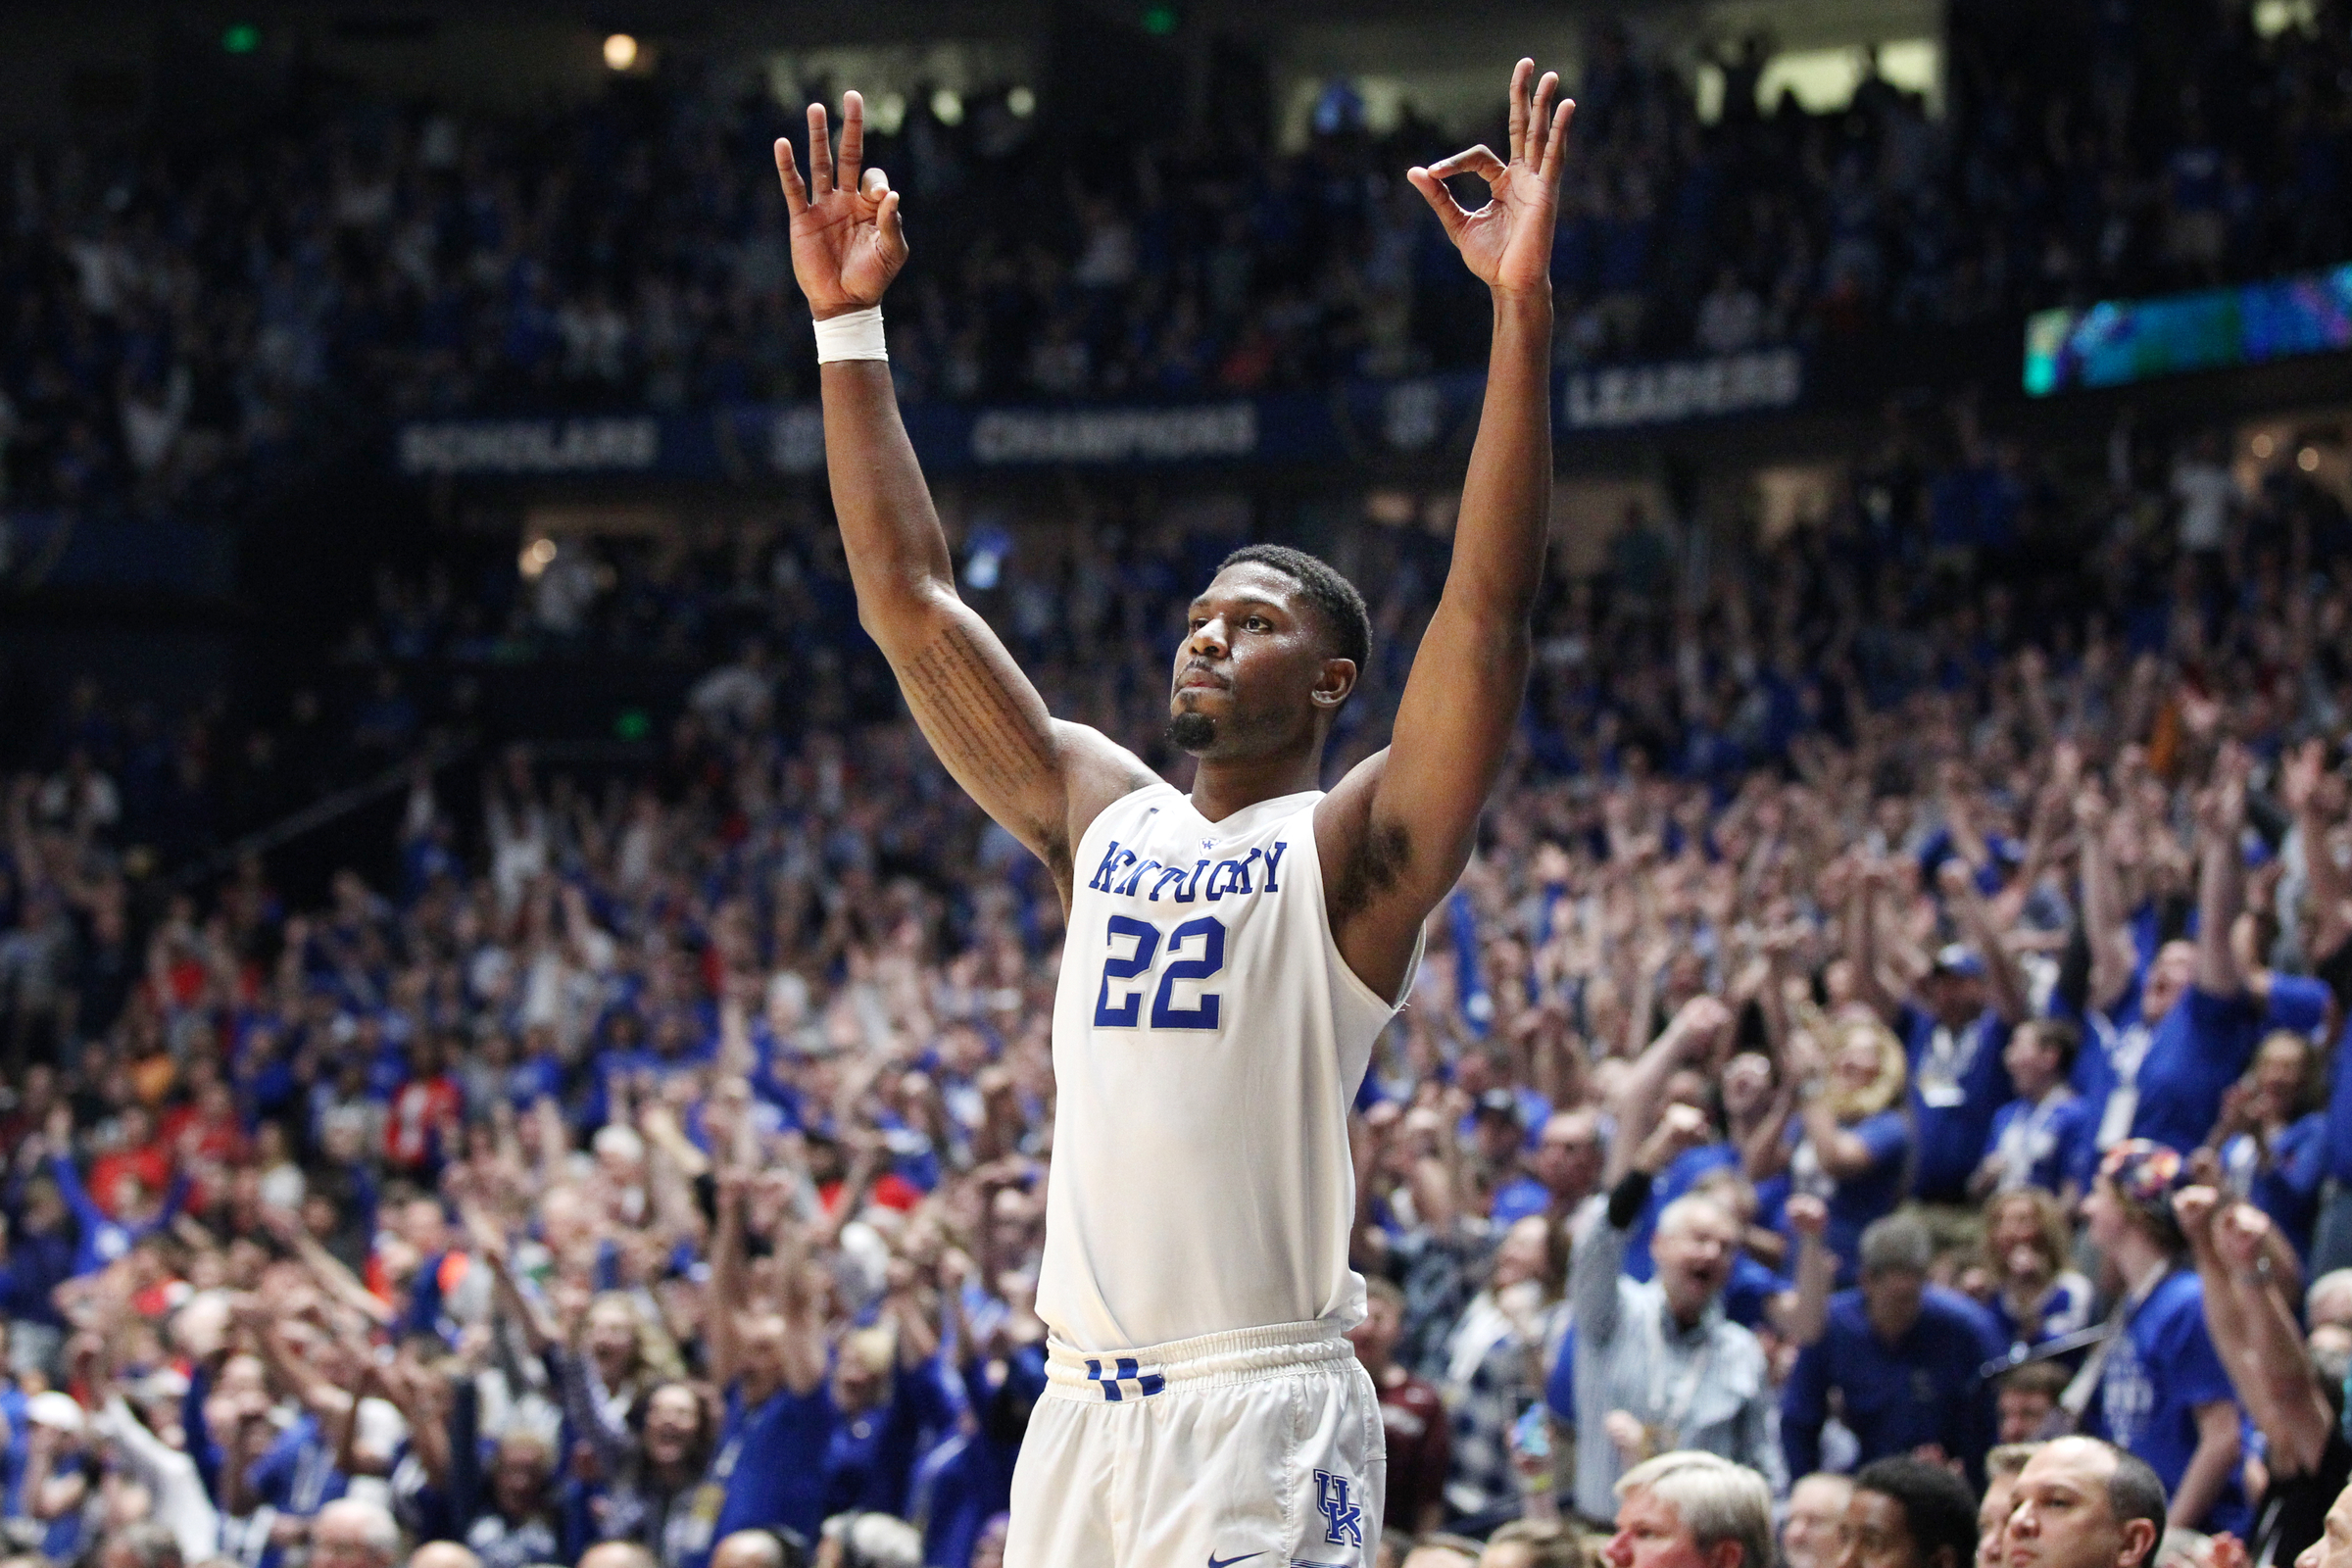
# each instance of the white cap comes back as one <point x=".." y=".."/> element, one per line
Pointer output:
<point x="54" y="1409"/>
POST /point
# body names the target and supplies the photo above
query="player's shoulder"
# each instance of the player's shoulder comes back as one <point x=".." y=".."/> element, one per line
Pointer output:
<point x="1097" y="773"/>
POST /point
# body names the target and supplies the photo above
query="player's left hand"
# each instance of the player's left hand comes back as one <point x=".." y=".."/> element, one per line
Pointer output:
<point x="1507" y="242"/>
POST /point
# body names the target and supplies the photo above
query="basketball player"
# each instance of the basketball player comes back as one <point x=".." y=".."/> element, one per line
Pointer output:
<point x="1232" y="952"/>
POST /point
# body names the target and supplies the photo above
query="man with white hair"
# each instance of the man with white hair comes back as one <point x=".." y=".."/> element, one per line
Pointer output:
<point x="1659" y="1366"/>
<point x="2329" y="1300"/>
<point x="1691" y="1511"/>
<point x="354" y="1533"/>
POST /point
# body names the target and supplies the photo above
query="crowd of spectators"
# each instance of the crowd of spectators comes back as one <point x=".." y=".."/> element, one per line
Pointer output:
<point x="186" y="311"/>
<point x="1866" y="946"/>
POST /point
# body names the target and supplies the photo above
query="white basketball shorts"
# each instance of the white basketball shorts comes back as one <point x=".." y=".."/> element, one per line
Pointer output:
<point x="1261" y="1448"/>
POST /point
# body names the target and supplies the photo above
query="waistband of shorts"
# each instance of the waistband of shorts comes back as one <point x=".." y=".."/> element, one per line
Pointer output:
<point x="1239" y="1355"/>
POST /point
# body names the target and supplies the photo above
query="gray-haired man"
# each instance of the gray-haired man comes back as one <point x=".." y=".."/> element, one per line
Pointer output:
<point x="1659" y="1366"/>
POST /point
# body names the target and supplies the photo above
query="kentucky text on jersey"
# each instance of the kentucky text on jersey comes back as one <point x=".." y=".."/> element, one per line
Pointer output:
<point x="1122" y="872"/>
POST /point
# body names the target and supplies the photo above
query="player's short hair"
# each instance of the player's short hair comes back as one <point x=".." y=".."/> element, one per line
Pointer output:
<point x="1334" y="597"/>
<point x="1716" y="1499"/>
<point x="1379" y="1286"/>
<point x="1938" y="1509"/>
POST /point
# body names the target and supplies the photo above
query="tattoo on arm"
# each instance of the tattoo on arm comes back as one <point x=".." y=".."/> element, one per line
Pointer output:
<point x="981" y="730"/>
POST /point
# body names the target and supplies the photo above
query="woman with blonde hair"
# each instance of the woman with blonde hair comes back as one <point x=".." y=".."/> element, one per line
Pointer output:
<point x="2036" y="1297"/>
<point x="1847" y="1138"/>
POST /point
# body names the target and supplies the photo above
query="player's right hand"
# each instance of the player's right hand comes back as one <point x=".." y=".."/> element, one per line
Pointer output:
<point x="846" y="241"/>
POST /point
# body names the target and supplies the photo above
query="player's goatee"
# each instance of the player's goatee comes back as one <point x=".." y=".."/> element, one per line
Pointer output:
<point x="1191" y="732"/>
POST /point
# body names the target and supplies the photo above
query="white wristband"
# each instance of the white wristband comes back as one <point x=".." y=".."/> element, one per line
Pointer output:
<point x="856" y="335"/>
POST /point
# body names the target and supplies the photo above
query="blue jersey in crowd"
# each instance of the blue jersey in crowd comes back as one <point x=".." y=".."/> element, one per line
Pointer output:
<point x="1856" y="1200"/>
<point x="1925" y="1388"/>
<point x="2115" y="1041"/>
<point x="1958" y="1080"/>
<point x="771" y="1461"/>
<point x="2045" y="1142"/>
<point x="2194" y="1055"/>
<point x="2065" y="1310"/>
<point x="870" y="1458"/>
<point x="2289" y="1187"/>
<point x="2158" y="1372"/>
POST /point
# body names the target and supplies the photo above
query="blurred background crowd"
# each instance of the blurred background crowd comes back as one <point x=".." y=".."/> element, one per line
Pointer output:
<point x="182" y="312"/>
<point x="433" y="1136"/>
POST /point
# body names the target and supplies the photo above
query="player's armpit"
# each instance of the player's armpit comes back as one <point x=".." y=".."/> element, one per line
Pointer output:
<point x="1397" y="832"/>
<point x="1372" y="875"/>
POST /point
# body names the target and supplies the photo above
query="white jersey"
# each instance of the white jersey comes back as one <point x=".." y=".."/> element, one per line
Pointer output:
<point x="1207" y="1042"/>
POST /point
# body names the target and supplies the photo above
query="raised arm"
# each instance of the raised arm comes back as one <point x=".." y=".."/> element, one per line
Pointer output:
<point x="1043" y="780"/>
<point x="726" y="1297"/>
<point x="2004" y="979"/>
<point x="1802" y="1316"/>
<point x="1861" y="932"/>
<point x="1397" y="831"/>
<point x="2221" y="875"/>
<point x="2325" y="887"/>
<point x="1638" y="1101"/>
<point x="2106" y="926"/>
<point x="2254" y="1330"/>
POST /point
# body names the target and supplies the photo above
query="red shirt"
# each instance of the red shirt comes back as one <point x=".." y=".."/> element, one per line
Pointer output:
<point x="419" y="1109"/>
<point x="149" y="1164"/>
<point x="1420" y="1444"/>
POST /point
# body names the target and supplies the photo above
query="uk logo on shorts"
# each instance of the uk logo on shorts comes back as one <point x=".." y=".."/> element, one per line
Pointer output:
<point x="1343" y="1518"/>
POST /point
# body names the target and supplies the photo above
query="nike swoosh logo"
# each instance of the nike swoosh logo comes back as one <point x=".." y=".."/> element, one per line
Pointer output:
<point x="1215" y="1562"/>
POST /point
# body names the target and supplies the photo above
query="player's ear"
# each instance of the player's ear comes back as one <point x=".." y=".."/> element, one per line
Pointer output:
<point x="1333" y="685"/>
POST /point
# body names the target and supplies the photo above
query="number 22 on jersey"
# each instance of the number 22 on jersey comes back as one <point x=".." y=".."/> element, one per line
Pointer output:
<point x="1193" y="951"/>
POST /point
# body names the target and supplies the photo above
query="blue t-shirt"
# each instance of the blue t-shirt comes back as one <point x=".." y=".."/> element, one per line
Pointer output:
<point x="2199" y="1049"/>
<point x="2161" y="1368"/>
<point x="1958" y="1080"/>
<point x="870" y="1459"/>
<point x="771" y="1459"/>
<point x="1519" y="1197"/>
<point x="2044" y="1144"/>
<point x="1925" y="1388"/>
<point x="1856" y="1200"/>
<point x="2289" y="1190"/>
<point x="2065" y="1311"/>
<point x="2114" y="1044"/>
<point x="296" y="1474"/>
<point x="2340" y="1110"/>
<point x="2296" y="1003"/>
<point x="1749" y="1289"/>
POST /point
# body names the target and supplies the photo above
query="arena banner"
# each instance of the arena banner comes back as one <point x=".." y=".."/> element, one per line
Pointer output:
<point x="1619" y="397"/>
<point x="1421" y="417"/>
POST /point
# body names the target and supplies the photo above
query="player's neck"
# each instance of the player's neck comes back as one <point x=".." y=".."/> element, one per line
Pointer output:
<point x="1222" y="786"/>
